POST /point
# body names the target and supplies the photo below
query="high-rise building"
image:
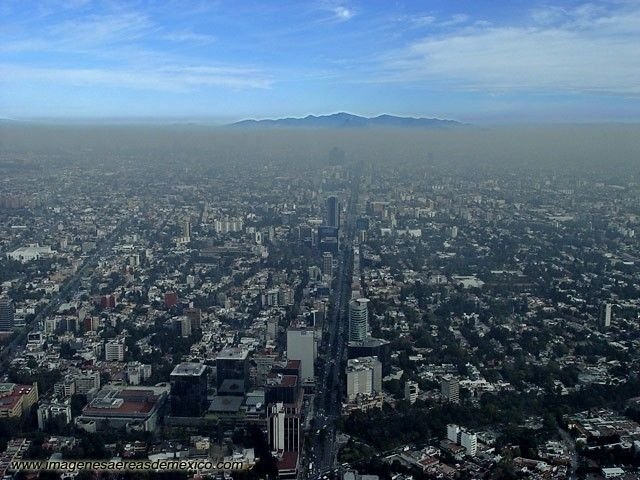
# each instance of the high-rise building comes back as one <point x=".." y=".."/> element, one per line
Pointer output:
<point x="450" y="389"/>
<point x="358" y="319"/>
<point x="411" y="391"/>
<point x="460" y="436"/>
<point x="182" y="326"/>
<point x="327" y="264"/>
<point x="306" y="235"/>
<point x="87" y="380"/>
<point x="232" y="370"/>
<point x="328" y="240"/>
<point x="281" y="388"/>
<point x="452" y="432"/>
<point x="114" y="350"/>
<point x="469" y="441"/>
<point x="188" y="390"/>
<point x="283" y="427"/>
<point x="372" y="347"/>
<point x="333" y="212"/>
<point x="186" y="230"/>
<point x="605" y="315"/>
<point x="364" y="377"/>
<point x="286" y="296"/>
<point x="6" y="314"/>
<point x="301" y="345"/>
<point x="195" y="315"/>
<point x="170" y="299"/>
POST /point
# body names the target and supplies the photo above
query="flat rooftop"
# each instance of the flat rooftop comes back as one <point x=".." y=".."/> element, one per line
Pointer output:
<point x="226" y="404"/>
<point x="233" y="354"/>
<point x="189" y="369"/>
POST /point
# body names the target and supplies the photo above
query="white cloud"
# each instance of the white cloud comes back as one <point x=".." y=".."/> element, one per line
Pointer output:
<point x="423" y="21"/>
<point x="102" y="29"/>
<point x="343" y="13"/>
<point x="585" y="49"/>
<point x="190" y="37"/>
<point x="120" y="39"/>
<point x="176" y="78"/>
<point x="456" y="19"/>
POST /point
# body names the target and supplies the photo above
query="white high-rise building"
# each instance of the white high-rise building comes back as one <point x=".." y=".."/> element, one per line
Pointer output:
<point x="301" y="345"/>
<point x="364" y="376"/>
<point x="114" y="351"/>
<point x="605" y="315"/>
<point x="358" y="319"/>
<point x="283" y="428"/>
<point x="450" y="389"/>
<point x="411" y="391"/>
<point x="469" y="441"/>
<point x="186" y="230"/>
<point x="464" y="438"/>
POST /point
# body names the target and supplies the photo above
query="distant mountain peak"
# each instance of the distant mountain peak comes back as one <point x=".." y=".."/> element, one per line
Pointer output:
<point x="348" y="120"/>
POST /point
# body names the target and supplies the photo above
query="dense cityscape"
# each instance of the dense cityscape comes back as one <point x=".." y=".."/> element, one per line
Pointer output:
<point x="327" y="314"/>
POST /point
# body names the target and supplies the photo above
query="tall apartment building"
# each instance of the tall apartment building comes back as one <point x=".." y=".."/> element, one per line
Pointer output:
<point x="6" y="314"/>
<point x="450" y="389"/>
<point x="364" y="377"/>
<point x="411" y="391"/>
<point x="114" y="350"/>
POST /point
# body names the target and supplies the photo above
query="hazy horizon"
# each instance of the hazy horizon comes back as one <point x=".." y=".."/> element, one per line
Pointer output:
<point x="571" y="146"/>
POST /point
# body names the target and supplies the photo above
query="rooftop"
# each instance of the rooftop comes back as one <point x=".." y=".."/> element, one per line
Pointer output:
<point x="190" y="369"/>
<point x="233" y="354"/>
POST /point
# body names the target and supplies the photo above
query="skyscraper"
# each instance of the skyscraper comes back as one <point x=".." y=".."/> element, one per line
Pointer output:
<point x="333" y="212"/>
<point x="358" y="319"/>
<point x="327" y="264"/>
<point x="328" y="240"/>
<point x="283" y="427"/>
<point x="186" y="229"/>
<point x="232" y="368"/>
<point x="188" y="390"/>
<point x="301" y="345"/>
<point x="6" y="314"/>
<point x="605" y="315"/>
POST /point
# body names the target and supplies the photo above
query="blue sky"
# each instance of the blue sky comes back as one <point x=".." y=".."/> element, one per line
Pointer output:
<point x="476" y="60"/>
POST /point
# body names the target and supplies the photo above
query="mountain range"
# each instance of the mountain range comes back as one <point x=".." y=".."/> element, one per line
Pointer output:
<point x="347" y="120"/>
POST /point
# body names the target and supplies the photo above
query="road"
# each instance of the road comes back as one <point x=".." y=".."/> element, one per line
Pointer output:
<point x="330" y="385"/>
<point x="571" y="446"/>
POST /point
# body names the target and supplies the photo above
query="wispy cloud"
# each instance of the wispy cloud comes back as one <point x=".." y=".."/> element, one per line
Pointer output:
<point x="456" y="19"/>
<point x="585" y="49"/>
<point x="190" y="37"/>
<point x="79" y="49"/>
<point x="433" y="21"/>
<point x="103" y="29"/>
<point x="171" y="78"/>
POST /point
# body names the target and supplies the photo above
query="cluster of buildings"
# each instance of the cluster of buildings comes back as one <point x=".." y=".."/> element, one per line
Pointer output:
<point x="204" y="307"/>
<point x="138" y="311"/>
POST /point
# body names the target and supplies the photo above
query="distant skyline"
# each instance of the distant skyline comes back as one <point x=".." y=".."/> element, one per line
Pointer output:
<point x="476" y="61"/>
